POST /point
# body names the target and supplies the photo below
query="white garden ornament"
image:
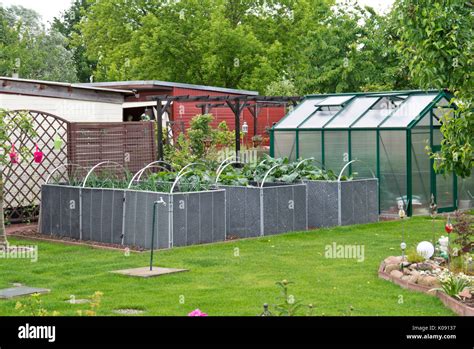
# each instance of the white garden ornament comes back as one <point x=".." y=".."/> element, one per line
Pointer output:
<point x="425" y="249"/>
<point x="443" y="243"/>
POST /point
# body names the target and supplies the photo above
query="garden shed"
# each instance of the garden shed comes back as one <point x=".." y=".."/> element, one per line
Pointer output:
<point x="388" y="132"/>
<point x="180" y="113"/>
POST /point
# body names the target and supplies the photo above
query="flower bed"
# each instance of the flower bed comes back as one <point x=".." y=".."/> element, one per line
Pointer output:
<point x="427" y="277"/>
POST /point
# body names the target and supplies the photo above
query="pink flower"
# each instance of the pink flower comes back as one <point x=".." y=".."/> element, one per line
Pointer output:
<point x="197" y="312"/>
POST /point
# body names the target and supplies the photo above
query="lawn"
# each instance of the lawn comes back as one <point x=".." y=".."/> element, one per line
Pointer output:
<point x="232" y="278"/>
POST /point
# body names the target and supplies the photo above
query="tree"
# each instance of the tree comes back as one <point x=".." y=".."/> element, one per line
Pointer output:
<point x="435" y="41"/>
<point x="22" y="127"/>
<point x="29" y="50"/>
<point x="282" y="87"/>
<point x="344" y="49"/>
<point x="67" y="25"/>
<point x="229" y="43"/>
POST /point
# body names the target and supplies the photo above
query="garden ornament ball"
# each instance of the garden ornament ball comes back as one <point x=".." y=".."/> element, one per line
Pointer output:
<point x="14" y="159"/>
<point x="403" y="246"/>
<point x="425" y="249"/>
<point x="38" y="155"/>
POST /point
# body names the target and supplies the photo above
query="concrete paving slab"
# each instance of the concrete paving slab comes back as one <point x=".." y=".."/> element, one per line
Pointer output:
<point x="8" y="293"/>
<point x="145" y="272"/>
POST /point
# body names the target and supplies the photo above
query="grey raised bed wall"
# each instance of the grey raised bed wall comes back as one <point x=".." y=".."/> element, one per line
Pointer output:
<point x="359" y="202"/>
<point x="116" y="216"/>
<point x="273" y="209"/>
<point x="187" y="219"/>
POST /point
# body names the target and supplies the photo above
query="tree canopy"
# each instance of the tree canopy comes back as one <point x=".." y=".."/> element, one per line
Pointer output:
<point x="30" y="50"/>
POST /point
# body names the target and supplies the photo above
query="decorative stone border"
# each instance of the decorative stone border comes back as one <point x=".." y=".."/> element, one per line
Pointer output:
<point x="450" y="302"/>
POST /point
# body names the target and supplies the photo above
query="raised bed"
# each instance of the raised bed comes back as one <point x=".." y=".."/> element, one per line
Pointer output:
<point x="357" y="202"/>
<point x="272" y="209"/>
<point x="126" y="216"/>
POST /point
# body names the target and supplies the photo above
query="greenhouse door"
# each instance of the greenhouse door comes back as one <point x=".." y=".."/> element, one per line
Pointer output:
<point x="444" y="189"/>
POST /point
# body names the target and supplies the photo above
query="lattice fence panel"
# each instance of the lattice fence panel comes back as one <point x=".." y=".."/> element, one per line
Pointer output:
<point x="23" y="180"/>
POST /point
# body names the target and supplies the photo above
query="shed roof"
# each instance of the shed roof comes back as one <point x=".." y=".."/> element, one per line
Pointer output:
<point x="66" y="84"/>
<point x="166" y="84"/>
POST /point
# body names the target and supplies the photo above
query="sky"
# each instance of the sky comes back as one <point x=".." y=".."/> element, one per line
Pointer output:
<point x="49" y="9"/>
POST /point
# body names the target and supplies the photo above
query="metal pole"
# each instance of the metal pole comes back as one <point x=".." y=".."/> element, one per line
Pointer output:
<point x="155" y="204"/>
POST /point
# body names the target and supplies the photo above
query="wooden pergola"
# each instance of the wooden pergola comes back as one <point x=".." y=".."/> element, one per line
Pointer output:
<point x="236" y="103"/>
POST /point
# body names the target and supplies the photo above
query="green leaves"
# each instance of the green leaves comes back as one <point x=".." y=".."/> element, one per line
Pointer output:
<point x="200" y="143"/>
<point x="23" y="126"/>
<point x="436" y="44"/>
<point x="285" y="172"/>
<point x="28" y="49"/>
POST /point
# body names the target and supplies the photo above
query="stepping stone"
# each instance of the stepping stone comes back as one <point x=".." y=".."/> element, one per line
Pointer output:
<point x="128" y="311"/>
<point x="145" y="272"/>
<point x="78" y="301"/>
<point x="8" y="293"/>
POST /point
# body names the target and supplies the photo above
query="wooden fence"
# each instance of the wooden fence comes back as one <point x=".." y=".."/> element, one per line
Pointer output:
<point x="131" y="144"/>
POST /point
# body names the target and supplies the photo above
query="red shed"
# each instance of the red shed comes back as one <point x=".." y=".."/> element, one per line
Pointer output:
<point x="183" y="112"/>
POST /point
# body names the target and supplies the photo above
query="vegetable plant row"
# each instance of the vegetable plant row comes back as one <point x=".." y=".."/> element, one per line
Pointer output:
<point x="204" y="177"/>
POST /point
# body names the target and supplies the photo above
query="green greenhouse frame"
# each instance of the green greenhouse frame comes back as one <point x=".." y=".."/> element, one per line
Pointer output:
<point x="388" y="132"/>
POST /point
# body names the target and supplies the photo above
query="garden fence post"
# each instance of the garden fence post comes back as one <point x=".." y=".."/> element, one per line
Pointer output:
<point x="124" y="218"/>
<point x="170" y="221"/>
<point x="80" y="214"/>
<point x="262" y="223"/>
<point x="339" y="204"/>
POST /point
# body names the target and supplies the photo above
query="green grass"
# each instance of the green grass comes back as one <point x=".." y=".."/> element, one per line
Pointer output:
<point x="221" y="284"/>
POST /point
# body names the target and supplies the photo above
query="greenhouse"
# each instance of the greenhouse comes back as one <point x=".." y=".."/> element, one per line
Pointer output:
<point x="388" y="132"/>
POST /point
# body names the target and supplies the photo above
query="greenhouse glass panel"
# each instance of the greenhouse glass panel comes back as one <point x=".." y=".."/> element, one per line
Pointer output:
<point x="393" y="170"/>
<point x="319" y="118"/>
<point x="364" y="148"/>
<point x="299" y="114"/>
<point x="372" y="118"/>
<point x="440" y="113"/>
<point x="424" y="121"/>
<point x="421" y="170"/>
<point x="378" y="113"/>
<point x="437" y="136"/>
<point x="352" y="112"/>
<point x="409" y="110"/>
<point x="466" y="192"/>
<point x="285" y="144"/>
<point x="310" y="145"/>
<point x="444" y="183"/>
<point x="336" y="100"/>
<point x="336" y="150"/>
<point x="444" y="191"/>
